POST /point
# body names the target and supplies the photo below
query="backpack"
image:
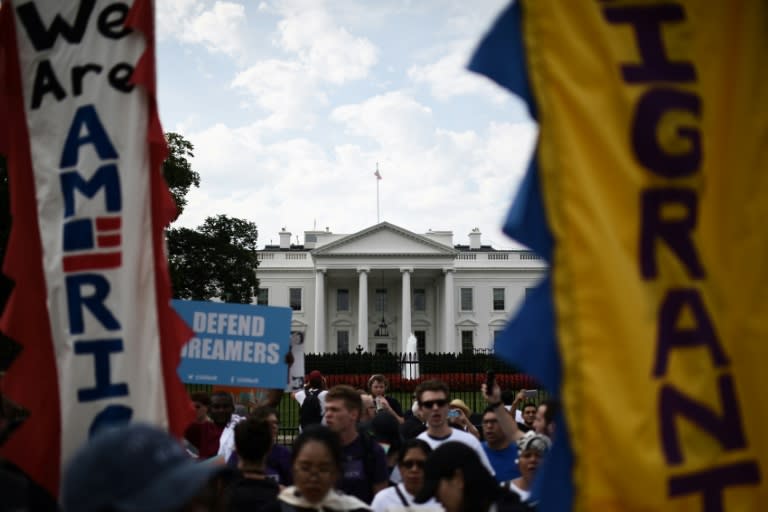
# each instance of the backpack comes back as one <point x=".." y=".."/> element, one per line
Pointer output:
<point x="369" y="456"/>
<point x="310" y="412"/>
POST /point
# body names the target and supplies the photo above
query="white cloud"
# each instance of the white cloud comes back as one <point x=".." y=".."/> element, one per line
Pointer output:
<point x="220" y="28"/>
<point x="281" y="87"/>
<point x="448" y="77"/>
<point x="316" y="122"/>
<point x="328" y="51"/>
<point x="393" y="120"/>
<point x="450" y="180"/>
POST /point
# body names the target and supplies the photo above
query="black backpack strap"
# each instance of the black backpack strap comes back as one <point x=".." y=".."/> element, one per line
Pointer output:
<point x="369" y="456"/>
<point x="402" y="498"/>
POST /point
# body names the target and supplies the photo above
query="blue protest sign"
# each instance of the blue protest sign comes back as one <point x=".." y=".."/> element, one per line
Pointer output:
<point x="235" y="344"/>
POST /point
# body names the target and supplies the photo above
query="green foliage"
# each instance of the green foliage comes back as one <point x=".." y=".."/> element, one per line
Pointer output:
<point x="177" y="170"/>
<point x="218" y="259"/>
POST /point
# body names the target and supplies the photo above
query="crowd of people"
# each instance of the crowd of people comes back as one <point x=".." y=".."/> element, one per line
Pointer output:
<point x="362" y="452"/>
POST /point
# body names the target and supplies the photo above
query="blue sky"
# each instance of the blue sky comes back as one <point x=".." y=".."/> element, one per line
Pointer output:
<point x="290" y="105"/>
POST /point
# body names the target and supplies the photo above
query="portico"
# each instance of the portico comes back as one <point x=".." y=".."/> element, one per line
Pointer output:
<point x="368" y="281"/>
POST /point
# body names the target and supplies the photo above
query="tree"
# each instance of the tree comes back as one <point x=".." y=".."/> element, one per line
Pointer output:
<point x="218" y="259"/>
<point x="177" y="170"/>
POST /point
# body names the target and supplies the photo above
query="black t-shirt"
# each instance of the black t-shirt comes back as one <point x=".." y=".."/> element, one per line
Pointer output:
<point x="412" y="427"/>
<point x="395" y="405"/>
<point x="247" y="494"/>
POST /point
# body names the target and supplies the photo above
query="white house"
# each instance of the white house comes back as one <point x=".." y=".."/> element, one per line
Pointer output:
<point x="373" y="288"/>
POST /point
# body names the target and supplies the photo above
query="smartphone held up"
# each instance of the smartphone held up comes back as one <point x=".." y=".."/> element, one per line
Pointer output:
<point x="490" y="382"/>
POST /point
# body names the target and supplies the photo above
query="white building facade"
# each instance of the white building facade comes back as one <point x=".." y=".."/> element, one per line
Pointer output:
<point x="372" y="289"/>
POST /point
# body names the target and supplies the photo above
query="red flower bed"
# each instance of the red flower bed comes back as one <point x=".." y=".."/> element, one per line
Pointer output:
<point x="456" y="381"/>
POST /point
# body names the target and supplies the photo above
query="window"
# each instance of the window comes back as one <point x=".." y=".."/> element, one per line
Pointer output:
<point x="342" y="300"/>
<point x="466" y="299"/>
<point x="498" y="299"/>
<point x="342" y="342"/>
<point x="294" y="295"/>
<point x="419" y="299"/>
<point x="262" y="299"/>
<point x="382" y="348"/>
<point x="467" y="342"/>
<point x="381" y="300"/>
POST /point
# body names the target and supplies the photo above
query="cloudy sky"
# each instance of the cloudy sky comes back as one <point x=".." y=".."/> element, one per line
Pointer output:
<point x="291" y="104"/>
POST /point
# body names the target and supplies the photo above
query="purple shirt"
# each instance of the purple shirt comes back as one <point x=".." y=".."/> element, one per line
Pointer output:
<point x="278" y="464"/>
<point x="355" y="480"/>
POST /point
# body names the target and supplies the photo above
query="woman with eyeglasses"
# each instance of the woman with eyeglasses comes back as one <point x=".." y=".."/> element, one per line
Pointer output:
<point x="317" y="463"/>
<point x="413" y="456"/>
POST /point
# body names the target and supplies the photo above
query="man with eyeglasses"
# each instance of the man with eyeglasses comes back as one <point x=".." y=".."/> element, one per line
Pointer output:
<point x="434" y="399"/>
<point x="498" y="446"/>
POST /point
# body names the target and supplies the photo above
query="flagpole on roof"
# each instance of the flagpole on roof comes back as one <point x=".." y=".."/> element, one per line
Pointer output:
<point x="378" y="179"/>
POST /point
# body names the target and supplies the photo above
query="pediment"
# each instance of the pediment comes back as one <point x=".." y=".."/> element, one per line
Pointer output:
<point x="382" y="239"/>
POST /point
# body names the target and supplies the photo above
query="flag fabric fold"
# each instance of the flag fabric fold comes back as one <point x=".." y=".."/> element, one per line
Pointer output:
<point x="651" y="325"/>
<point x="91" y="302"/>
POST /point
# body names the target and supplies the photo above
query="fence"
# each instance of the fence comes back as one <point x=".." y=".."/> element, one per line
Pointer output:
<point x="464" y="373"/>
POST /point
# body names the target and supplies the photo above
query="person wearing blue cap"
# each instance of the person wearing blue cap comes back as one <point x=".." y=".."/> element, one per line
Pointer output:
<point x="135" y="468"/>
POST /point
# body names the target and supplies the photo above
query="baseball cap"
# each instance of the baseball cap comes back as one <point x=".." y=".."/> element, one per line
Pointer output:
<point x="315" y="379"/>
<point x="443" y="463"/>
<point x="133" y="468"/>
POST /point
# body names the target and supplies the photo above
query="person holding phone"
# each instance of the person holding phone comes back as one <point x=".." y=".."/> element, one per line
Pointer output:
<point x="458" y="417"/>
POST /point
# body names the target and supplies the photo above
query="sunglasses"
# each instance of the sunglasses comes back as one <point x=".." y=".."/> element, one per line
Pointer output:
<point x="429" y="404"/>
<point x="410" y="464"/>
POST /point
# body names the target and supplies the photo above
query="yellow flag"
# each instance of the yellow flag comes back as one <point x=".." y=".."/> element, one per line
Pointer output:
<point x="653" y="161"/>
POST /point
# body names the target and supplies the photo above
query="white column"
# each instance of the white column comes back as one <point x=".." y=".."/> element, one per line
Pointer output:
<point x="449" y="334"/>
<point x="362" y="308"/>
<point x="320" y="311"/>
<point x="406" y="307"/>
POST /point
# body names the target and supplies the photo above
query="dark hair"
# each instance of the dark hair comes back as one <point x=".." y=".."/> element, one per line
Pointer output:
<point x="377" y="377"/>
<point x="253" y="439"/>
<point x="480" y="487"/>
<point x="264" y="411"/>
<point x="201" y="397"/>
<point x="223" y="394"/>
<point x="529" y="404"/>
<point x="432" y="385"/>
<point x="507" y="396"/>
<point x="552" y="410"/>
<point x="410" y="444"/>
<point x="320" y="434"/>
<point x="349" y="395"/>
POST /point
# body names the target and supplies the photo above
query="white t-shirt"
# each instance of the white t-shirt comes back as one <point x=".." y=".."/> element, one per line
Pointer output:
<point x="462" y="437"/>
<point x="518" y="413"/>
<point x="387" y="500"/>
